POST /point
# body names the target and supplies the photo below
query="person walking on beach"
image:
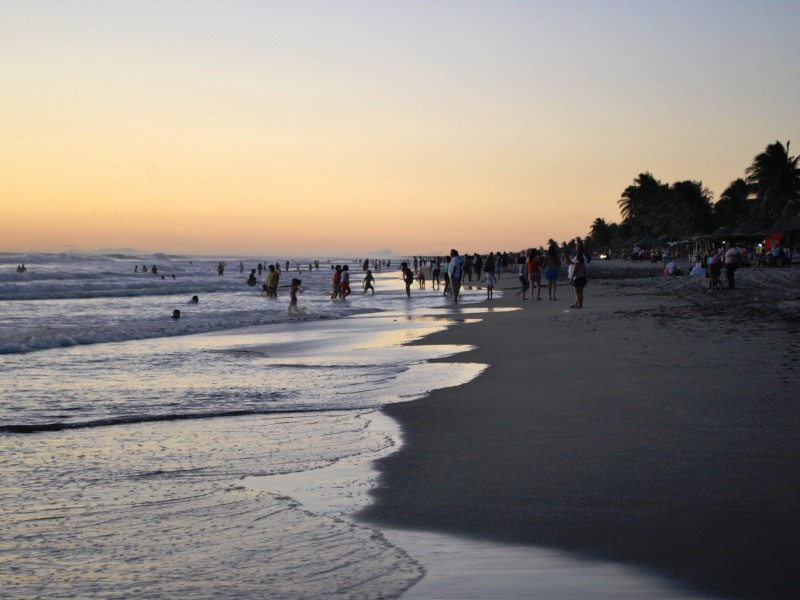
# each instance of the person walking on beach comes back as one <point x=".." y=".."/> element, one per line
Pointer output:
<point x="552" y="265"/>
<point x="523" y="276"/>
<point x="714" y="270"/>
<point x="408" y="277"/>
<point x="775" y="255"/>
<point x="446" y="276"/>
<point x="456" y="271"/>
<point x="534" y="273"/>
<point x="761" y="258"/>
<point x="732" y="260"/>
<point x="491" y="262"/>
<point x="578" y="279"/>
<point x="368" y="281"/>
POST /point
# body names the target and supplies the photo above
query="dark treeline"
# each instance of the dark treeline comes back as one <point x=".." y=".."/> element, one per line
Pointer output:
<point x="766" y="197"/>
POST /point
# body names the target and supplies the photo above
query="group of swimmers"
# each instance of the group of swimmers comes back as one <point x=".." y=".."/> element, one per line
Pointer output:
<point x="154" y="269"/>
<point x="176" y="314"/>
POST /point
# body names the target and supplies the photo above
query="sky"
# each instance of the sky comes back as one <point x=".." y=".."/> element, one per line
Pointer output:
<point x="345" y="128"/>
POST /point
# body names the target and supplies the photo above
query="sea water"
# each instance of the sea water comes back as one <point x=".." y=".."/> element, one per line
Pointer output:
<point x="127" y="436"/>
<point x="67" y="299"/>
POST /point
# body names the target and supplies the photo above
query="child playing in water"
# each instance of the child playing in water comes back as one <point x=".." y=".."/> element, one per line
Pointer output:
<point x="367" y="285"/>
<point x="408" y="277"/>
<point x="293" y="289"/>
<point x="489" y="282"/>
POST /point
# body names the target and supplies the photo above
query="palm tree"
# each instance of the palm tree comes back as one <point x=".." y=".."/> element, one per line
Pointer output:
<point x="642" y="204"/>
<point x="689" y="211"/>
<point x="600" y="234"/>
<point x="734" y="206"/>
<point x="775" y="180"/>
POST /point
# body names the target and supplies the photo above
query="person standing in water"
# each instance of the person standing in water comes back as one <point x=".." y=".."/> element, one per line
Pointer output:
<point x="489" y="282"/>
<point x="344" y="283"/>
<point x="408" y="277"/>
<point x="293" y="290"/>
<point x="368" y="281"/>
<point x="272" y="282"/>
<point x="336" y="282"/>
<point x="456" y="271"/>
<point x="436" y="270"/>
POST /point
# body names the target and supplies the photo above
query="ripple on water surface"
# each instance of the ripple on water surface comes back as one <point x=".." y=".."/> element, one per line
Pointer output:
<point x="156" y="510"/>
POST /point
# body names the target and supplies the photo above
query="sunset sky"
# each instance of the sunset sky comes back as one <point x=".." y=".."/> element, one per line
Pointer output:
<point x="343" y="128"/>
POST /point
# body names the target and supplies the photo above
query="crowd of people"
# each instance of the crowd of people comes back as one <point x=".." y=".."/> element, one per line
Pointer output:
<point x="447" y="274"/>
<point x="730" y="257"/>
<point x="450" y="272"/>
<point x="536" y="264"/>
<point x="776" y="256"/>
<point x="536" y="268"/>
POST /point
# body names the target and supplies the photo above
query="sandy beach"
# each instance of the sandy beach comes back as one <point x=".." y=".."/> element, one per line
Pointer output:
<point x="657" y="427"/>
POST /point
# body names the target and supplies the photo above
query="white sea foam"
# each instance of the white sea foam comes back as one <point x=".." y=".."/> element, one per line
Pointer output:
<point x="141" y="427"/>
<point x="157" y="509"/>
<point x="66" y="300"/>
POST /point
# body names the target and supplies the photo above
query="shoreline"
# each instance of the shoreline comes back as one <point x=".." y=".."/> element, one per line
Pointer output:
<point x="170" y="497"/>
<point x="453" y="566"/>
<point x="641" y="429"/>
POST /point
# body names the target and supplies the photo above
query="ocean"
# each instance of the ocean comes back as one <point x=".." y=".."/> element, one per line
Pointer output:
<point x="136" y="446"/>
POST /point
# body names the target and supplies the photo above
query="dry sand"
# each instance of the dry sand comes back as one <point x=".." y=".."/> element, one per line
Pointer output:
<point x="656" y="426"/>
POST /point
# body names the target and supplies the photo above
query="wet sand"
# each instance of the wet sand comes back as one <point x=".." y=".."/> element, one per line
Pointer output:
<point x="657" y="426"/>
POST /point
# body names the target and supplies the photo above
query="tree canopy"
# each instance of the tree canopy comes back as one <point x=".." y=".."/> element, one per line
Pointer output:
<point x="768" y="194"/>
<point x="661" y="210"/>
<point x="774" y="179"/>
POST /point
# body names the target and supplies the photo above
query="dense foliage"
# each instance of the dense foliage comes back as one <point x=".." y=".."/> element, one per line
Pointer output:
<point x="768" y="195"/>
